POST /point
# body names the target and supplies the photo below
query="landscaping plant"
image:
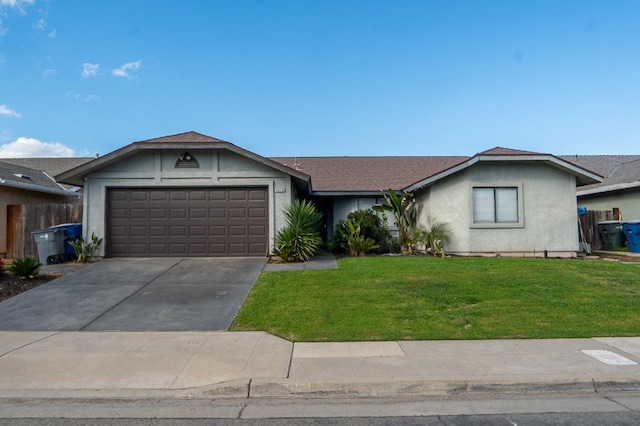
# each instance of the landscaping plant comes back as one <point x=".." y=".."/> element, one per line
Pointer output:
<point x="366" y="232"/>
<point x="432" y="236"/>
<point x="300" y="239"/>
<point x="404" y="212"/>
<point x="86" y="249"/>
<point x="27" y="267"/>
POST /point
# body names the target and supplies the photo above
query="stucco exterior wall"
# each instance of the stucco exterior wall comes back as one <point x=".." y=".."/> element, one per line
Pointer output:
<point x="548" y="217"/>
<point x="627" y="201"/>
<point x="217" y="168"/>
<point x="10" y="195"/>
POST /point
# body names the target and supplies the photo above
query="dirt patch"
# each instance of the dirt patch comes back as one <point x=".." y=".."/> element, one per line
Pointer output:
<point x="11" y="286"/>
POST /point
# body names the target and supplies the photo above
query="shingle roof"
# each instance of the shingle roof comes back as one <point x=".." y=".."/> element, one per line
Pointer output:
<point x="185" y="137"/>
<point x="604" y="165"/>
<point x="617" y="169"/>
<point x="51" y="166"/>
<point x="507" y="151"/>
<point x="25" y="177"/>
<point x="366" y="174"/>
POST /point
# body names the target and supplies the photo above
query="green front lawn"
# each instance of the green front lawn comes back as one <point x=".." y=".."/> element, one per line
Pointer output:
<point x="421" y="298"/>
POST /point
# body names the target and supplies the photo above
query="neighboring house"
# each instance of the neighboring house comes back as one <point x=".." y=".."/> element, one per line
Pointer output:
<point x="194" y="195"/>
<point x="25" y="185"/>
<point x="620" y="188"/>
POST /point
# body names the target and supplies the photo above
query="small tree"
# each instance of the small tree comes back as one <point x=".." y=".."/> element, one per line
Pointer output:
<point x="300" y="239"/>
<point x="404" y="212"/>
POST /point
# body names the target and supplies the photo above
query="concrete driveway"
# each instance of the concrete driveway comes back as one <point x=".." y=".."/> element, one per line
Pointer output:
<point x="137" y="295"/>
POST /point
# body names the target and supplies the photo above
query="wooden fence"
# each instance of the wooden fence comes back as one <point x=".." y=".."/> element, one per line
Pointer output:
<point x="23" y="219"/>
<point x="589" y="223"/>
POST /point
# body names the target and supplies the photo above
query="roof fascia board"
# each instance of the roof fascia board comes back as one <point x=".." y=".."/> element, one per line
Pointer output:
<point x="608" y="188"/>
<point x="573" y="169"/>
<point x="38" y="188"/>
<point x="348" y="193"/>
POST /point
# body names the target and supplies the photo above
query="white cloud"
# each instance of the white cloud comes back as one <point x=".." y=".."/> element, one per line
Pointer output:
<point x="90" y="70"/>
<point x="127" y="69"/>
<point x="30" y="147"/>
<point x="16" y="4"/>
<point x="5" y="110"/>
<point x="41" y="24"/>
<point x="52" y="34"/>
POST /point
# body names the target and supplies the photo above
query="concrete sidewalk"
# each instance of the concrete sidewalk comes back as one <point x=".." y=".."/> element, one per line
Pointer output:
<point x="256" y="364"/>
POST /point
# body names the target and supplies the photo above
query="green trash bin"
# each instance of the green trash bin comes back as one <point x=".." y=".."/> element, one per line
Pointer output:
<point x="611" y="235"/>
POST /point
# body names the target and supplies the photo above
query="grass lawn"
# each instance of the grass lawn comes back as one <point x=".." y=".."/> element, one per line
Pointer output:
<point x="423" y="298"/>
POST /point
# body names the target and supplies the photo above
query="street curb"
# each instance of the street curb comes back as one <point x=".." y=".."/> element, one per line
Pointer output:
<point x="269" y="388"/>
<point x="261" y="388"/>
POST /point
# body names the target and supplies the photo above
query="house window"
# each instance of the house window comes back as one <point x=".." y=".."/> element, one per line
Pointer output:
<point x="496" y="205"/>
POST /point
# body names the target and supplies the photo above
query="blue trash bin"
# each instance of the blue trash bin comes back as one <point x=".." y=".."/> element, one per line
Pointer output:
<point x="631" y="230"/>
<point x="72" y="231"/>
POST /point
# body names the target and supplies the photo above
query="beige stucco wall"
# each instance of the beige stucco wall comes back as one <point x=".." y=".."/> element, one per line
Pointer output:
<point x="218" y="168"/>
<point x="9" y="196"/>
<point x="548" y="211"/>
<point x="627" y="201"/>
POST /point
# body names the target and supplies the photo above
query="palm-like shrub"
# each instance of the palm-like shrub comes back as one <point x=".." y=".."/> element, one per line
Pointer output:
<point x="300" y="239"/>
<point x="25" y="268"/>
<point x="433" y="236"/>
<point x="402" y="207"/>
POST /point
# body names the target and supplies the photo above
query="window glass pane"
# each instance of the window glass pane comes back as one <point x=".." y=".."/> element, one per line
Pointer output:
<point x="483" y="205"/>
<point x="506" y="204"/>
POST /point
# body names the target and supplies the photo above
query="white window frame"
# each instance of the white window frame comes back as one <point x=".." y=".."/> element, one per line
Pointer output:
<point x="520" y="206"/>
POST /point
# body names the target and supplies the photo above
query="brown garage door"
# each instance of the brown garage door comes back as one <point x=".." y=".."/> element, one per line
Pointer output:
<point x="158" y="222"/>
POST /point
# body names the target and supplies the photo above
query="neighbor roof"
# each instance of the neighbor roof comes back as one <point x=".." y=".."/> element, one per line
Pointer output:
<point x="17" y="176"/>
<point x="51" y="166"/>
<point x="620" y="172"/>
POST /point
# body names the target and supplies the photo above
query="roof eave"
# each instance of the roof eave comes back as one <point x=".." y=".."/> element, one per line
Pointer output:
<point x="608" y="188"/>
<point x="584" y="177"/>
<point x="38" y="188"/>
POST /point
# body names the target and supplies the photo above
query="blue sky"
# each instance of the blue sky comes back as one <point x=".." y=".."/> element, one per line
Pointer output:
<point x="301" y="78"/>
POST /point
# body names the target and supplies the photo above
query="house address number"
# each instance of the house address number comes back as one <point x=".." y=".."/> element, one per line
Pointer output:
<point x="281" y="189"/>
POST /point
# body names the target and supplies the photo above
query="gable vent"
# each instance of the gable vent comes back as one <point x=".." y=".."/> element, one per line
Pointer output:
<point x="187" y="161"/>
<point x="20" y="175"/>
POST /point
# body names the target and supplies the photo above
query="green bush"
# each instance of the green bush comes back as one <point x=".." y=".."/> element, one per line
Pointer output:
<point x="25" y="268"/>
<point x="371" y="227"/>
<point x="300" y="239"/>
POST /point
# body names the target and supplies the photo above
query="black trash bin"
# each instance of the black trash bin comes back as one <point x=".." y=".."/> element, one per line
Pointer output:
<point x="611" y="234"/>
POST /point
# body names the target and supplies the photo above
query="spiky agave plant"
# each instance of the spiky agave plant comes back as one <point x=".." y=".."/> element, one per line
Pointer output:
<point x="27" y="267"/>
<point x="300" y="239"/>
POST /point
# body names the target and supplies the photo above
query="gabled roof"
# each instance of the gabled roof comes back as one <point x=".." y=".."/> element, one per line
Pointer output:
<point x="499" y="154"/>
<point x="181" y="141"/>
<point x="367" y="174"/>
<point x="620" y="172"/>
<point x="26" y="178"/>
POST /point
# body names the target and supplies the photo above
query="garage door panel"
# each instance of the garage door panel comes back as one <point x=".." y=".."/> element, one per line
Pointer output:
<point x="187" y="222"/>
